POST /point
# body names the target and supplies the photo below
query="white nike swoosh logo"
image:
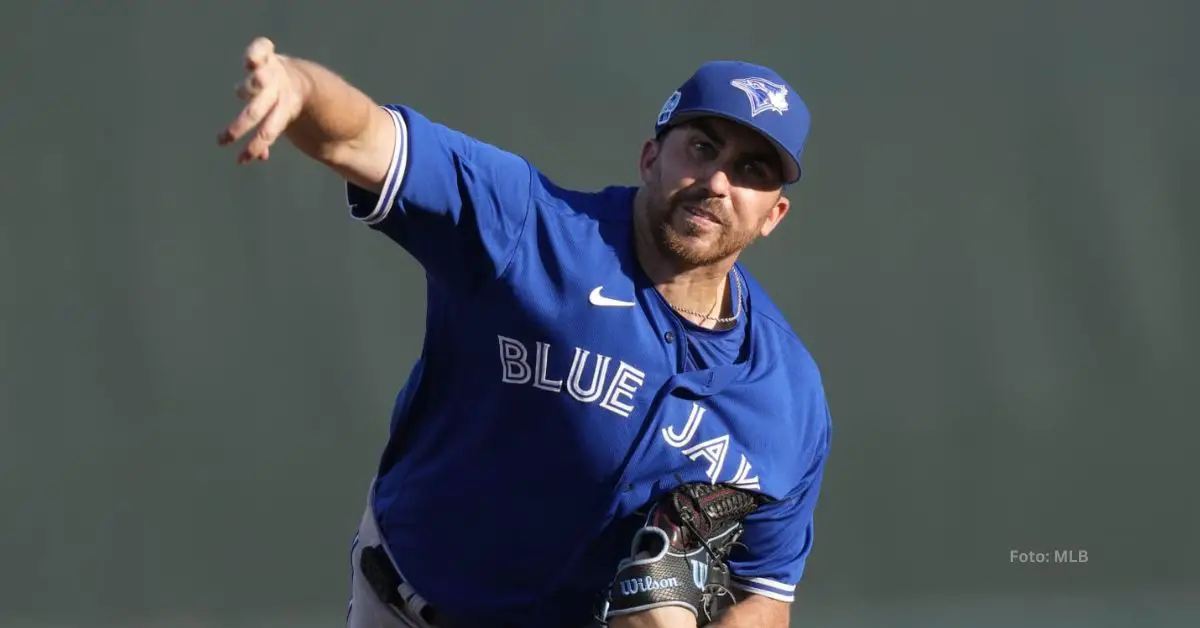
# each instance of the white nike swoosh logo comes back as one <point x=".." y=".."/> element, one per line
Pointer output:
<point x="600" y="300"/>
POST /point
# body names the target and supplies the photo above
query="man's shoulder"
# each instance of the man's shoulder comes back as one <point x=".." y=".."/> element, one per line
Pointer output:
<point x="609" y="203"/>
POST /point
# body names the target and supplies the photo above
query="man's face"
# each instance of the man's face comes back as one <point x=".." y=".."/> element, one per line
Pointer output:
<point x="713" y="186"/>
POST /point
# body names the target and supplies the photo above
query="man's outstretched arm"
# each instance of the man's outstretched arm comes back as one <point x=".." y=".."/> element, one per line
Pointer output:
<point x="457" y="204"/>
<point x="324" y="116"/>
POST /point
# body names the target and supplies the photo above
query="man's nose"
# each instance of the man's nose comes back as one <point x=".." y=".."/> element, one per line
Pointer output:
<point x="717" y="181"/>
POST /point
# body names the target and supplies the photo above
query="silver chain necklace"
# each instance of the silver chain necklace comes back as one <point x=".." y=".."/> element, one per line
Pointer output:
<point x="737" y="312"/>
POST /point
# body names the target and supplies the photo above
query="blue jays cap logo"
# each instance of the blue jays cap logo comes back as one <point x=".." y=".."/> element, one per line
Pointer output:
<point x="764" y="95"/>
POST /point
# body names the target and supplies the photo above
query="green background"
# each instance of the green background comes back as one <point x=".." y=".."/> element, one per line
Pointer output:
<point x="990" y="257"/>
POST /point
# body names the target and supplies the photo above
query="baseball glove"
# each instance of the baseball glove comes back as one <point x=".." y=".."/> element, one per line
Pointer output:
<point x="678" y="557"/>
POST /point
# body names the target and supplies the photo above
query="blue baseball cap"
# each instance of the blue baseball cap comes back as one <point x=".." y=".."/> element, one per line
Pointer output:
<point x="750" y="94"/>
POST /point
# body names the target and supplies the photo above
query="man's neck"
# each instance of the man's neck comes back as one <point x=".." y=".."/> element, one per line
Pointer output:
<point x="699" y="291"/>
<point x="701" y="296"/>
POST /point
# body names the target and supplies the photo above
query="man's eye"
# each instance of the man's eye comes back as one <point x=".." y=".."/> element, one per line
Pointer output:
<point x="702" y="147"/>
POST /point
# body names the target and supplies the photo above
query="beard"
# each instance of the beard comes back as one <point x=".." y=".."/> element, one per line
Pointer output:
<point x="690" y="244"/>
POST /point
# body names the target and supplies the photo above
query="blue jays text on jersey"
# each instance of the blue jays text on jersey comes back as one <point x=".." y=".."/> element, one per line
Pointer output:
<point x="557" y="392"/>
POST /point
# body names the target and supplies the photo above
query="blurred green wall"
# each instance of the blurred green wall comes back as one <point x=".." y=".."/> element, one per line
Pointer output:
<point x="991" y="259"/>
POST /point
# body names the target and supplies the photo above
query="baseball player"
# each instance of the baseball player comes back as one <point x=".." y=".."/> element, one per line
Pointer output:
<point x="610" y="422"/>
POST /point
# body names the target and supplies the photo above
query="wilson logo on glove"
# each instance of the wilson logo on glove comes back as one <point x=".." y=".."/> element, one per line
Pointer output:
<point x="642" y="585"/>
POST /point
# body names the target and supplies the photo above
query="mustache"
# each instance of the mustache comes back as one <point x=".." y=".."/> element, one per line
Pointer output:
<point x="701" y="200"/>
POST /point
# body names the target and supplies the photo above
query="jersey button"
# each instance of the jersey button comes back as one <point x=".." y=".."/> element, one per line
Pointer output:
<point x="669" y="337"/>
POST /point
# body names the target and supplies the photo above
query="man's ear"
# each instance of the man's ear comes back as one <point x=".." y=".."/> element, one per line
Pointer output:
<point x="650" y="152"/>
<point x="775" y="215"/>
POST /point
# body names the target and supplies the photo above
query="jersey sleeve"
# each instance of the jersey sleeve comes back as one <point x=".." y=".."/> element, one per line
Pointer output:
<point x="778" y="536"/>
<point x="457" y="204"/>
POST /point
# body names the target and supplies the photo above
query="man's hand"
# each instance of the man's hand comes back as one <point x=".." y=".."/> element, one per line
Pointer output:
<point x="274" y="94"/>
<point x="755" y="611"/>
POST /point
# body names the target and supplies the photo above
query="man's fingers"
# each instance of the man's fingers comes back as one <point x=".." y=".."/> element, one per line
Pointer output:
<point x="265" y="108"/>
<point x="253" y="113"/>
<point x="269" y="130"/>
<point x="257" y="147"/>
<point x="259" y="52"/>
<point x="258" y="79"/>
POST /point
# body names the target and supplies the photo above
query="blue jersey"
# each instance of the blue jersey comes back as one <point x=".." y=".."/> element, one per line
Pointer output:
<point x="557" y="393"/>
